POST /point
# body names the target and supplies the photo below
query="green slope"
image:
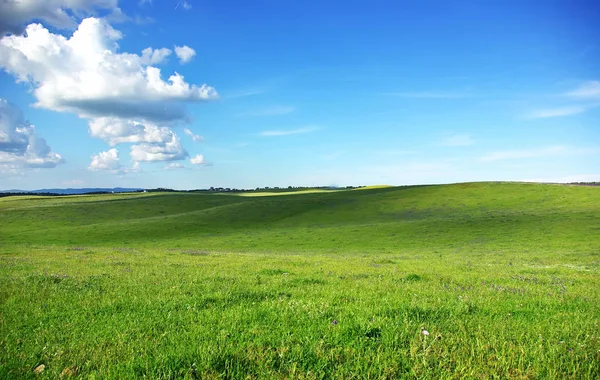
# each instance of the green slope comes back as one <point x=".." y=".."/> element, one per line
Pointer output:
<point x="502" y="215"/>
<point x="317" y="285"/>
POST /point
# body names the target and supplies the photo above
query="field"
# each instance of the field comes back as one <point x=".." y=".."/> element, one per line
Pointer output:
<point x="505" y="278"/>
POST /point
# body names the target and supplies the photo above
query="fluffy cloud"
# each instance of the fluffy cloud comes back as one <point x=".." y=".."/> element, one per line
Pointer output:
<point x="154" y="56"/>
<point x="109" y="162"/>
<point x="122" y="94"/>
<point x="169" y="150"/>
<point x="106" y="161"/>
<point x="195" y="137"/>
<point x="20" y="147"/>
<point x="116" y="131"/>
<point x="58" y="13"/>
<point x="198" y="160"/>
<point x="184" y="53"/>
<point x="86" y="75"/>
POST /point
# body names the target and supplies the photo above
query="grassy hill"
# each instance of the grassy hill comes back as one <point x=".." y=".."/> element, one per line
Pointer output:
<point x="328" y="284"/>
<point x="499" y="214"/>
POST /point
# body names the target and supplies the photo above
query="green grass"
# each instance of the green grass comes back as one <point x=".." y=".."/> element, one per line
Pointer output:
<point x="504" y="276"/>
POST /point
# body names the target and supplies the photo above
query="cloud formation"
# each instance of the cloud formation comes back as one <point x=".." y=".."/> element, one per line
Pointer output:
<point x="61" y="14"/>
<point x="169" y="149"/>
<point x="109" y="162"/>
<point x="122" y="94"/>
<point x="195" y="137"/>
<point x="556" y="112"/>
<point x="175" y="166"/>
<point x="106" y="161"/>
<point x="582" y="99"/>
<point x="86" y="75"/>
<point x="20" y="147"/>
<point x="184" y="53"/>
<point x="588" y="90"/>
<point x="198" y="160"/>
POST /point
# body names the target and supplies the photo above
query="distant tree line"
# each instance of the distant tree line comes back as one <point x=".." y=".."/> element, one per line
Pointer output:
<point x="9" y="194"/>
<point x="585" y="183"/>
<point x="213" y="189"/>
<point x="167" y="190"/>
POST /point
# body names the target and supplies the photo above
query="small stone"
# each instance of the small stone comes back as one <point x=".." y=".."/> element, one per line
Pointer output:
<point x="39" y="369"/>
<point x="67" y="372"/>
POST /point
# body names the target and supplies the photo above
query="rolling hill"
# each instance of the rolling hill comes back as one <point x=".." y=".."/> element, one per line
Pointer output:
<point x="381" y="219"/>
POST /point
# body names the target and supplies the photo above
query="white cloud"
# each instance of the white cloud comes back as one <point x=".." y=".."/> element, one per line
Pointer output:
<point x="458" y="140"/>
<point x="168" y="150"/>
<point x="124" y="97"/>
<point x="109" y="162"/>
<point x="588" y="90"/>
<point x="154" y="56"/>
<point x="174" y="166"/>
<point x="586" y="96"/>
<point x="14" y="14"/>
<point x="116" y="131"/>
<point x="184" y="53"/>
<point x="20" y="147"/>
<point x="184" y="4"/>
<point x="106" y="161"/>
<point x="195" y="138"/>
<point x="557" y="112"/>
<point x="86" y="75"/>
<point x="198" y="160"/>
<point x="11" y="170"/>
<point x="283" y="132"/>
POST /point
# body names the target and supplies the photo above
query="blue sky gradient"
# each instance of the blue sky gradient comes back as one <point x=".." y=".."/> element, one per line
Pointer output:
<point x="317" y="93"/>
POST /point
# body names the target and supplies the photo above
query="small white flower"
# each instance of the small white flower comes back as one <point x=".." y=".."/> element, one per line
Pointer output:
<point x="424" y="332"/>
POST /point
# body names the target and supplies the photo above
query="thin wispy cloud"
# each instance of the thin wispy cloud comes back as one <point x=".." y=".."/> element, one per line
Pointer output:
<point x="588" y="90"/>
<point x="557" y="150"/>
<point x="458" y="140"/>
<point x="243" y="93"/>
<point x="175" y="166"/>
<point x="184" y="4"/>
<point x="556" y="112"/>
<point x="430" y="95"/>
<point x="195" y="137"/>
<point x="587" y="96"/>
<point x="286" y="132"/>
<point x="566" y="179"/>
<point x="271" y="111"/>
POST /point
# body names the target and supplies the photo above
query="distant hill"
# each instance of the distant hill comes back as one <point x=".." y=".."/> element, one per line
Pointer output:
<point x="70" y="191"/>
<point x="505" y="217"/>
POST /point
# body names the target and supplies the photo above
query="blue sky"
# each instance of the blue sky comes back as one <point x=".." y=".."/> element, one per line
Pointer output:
<point x="298" y="93"/>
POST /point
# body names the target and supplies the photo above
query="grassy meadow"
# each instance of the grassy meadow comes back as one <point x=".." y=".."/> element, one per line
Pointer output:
<point x="505" y="278"/>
